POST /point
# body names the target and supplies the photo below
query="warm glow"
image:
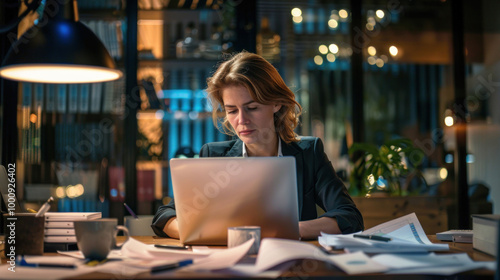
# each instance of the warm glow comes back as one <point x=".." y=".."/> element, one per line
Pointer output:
<point x="333" y="48"/>
<point x="369" y="27"/>
<point x="371" y="60"/>
<point x="59" y="74"/>
<point x="380" y="14"/>
<point x="323" y="49"/>
<point x="343" y="14"/>
<point x="297" y="19"/>
<point x="332" y="23"/>
<point x="318" y="60"/>
<point x="372" y="50"/>
<point x="33" y="118"/>
<point x="371" y="179"/>
<point x="443" y="173"/>
<point x="79" y="189"/>
<point x="393" y="50"/>
<point x="71" y="191"/>
<point x="330" y="57"/>
<point x="60" y="192"/>
<point x="296" y="12"/>
<point x="379" y="62"/>
<point x="448" y="121"/>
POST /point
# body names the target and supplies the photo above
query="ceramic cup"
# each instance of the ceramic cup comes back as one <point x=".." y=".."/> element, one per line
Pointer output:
<point x="239" y="235"/>
<point x="140" y="226"/>
<point x="96" y="238"/>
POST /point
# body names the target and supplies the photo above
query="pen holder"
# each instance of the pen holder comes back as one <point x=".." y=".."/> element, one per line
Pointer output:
<point x="140" y="226"/>
<point x="23" y="234"/>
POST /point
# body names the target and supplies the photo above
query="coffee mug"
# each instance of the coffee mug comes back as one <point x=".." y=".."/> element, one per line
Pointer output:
<point x="140" y="226"/>
<point x="95" y="238"/>
<point x="239" y="235"/>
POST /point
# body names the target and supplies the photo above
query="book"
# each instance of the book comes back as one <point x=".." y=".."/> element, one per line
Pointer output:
<point x="83" y="104"/>
<point x="73" y="98"/>
<point x="71" y="216"/>
<point x="116" y="177"/>
<point x="50" y="100"/>
<point x="95" y="97"/>
<point x="57" y="224"/>
<point x="485" y="233"/>
<point x="61" y="98"/>
<point x="456" y="235"/>
<point x="145" y="185"/>
<point x="59" y="231"/>
<point x="59" y="239"/>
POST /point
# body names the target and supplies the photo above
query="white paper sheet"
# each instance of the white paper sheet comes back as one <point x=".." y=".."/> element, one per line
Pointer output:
<point x="138" y="250"/>
<point x="275" y="251"/>
<point x="406" y="233"/>
<point x="405" y="261"/>
<point x="356" y="263"/>
<point x="222" y="259"/>
<point x="464" y="263"/>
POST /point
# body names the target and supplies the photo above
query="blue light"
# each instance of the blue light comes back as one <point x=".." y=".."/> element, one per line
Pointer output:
<point x="64" y="29"/>
<point x="448" y="158"/>
<point x="470" y="158"/>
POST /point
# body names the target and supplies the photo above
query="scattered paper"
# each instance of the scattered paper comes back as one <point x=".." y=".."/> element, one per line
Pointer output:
<point x="406" y="234"/>
<point x="275" y="251"/>
<point x="222" y="259"/>
<point x="462" y="263"/>
<point x="137" y="250"/>
<point x="356" y="263"/>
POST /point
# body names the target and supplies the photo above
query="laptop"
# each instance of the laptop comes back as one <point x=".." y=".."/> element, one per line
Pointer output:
<point x="212" y="194"/>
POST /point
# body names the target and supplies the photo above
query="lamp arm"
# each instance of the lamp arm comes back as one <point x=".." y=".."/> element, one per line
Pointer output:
<point x="30" y="7"/>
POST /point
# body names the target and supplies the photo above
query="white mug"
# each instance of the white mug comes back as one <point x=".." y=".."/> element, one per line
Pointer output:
<point x="239" y="235"/>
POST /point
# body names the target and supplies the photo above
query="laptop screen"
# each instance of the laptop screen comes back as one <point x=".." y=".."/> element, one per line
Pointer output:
<point x="212" y="194"/>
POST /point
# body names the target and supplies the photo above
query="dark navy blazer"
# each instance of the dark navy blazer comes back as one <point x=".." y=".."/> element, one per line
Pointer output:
<point x="317" y="184"/>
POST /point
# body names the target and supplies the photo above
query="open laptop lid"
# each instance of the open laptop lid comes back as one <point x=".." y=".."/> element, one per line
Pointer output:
<point x="212" y="194"/>
<point x="11" y="202"/>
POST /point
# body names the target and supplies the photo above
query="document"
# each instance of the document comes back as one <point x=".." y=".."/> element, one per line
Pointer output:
<point x="401" y="235"/>
<point x="274" y="251"/>
<point x="446" y="264"/>
<point x="134" y="249"/>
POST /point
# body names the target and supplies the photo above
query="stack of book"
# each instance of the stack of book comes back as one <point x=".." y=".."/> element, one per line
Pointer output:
<point x="60" y="231"/>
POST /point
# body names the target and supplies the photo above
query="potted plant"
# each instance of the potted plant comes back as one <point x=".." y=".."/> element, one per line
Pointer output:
<point x="381" y="170"/>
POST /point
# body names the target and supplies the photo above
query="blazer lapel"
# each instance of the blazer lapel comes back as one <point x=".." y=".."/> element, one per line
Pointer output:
<point x="292" y="150"/>
<point x="236" y="150"/>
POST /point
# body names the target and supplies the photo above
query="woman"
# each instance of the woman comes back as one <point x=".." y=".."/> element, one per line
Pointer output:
<point x="252" y="102"/>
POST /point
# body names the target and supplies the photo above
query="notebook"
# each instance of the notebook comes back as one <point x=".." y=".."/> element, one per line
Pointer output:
<point x="212" y="194"/>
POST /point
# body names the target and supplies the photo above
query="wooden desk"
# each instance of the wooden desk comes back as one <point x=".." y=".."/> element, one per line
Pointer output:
<point x="312" y="269"/>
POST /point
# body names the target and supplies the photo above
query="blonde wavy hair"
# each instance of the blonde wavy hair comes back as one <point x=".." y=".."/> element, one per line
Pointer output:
<point x="265" y="85"/>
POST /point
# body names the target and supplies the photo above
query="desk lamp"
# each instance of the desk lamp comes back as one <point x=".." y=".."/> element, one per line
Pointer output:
<point x="59" y="49"/>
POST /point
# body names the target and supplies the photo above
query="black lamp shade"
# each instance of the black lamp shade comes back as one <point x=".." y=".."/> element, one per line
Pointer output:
<point x="59" y="50"/>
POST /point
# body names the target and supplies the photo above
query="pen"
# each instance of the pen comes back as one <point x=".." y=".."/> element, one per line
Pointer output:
<point x="45" y="207"/>
<point x="130" y="211"/>
<point x="171" y="266"/>
<point x="52" y="265"/>
<point x="373" y="237"/>
<point x="172" y="247"/>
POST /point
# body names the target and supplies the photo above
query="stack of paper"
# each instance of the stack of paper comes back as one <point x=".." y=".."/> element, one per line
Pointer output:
<point x="59" y="225"/>
<point x="401" y="235"/>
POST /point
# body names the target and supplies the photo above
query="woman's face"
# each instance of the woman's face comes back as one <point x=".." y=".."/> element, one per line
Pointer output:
<point x="253" y="122"/>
